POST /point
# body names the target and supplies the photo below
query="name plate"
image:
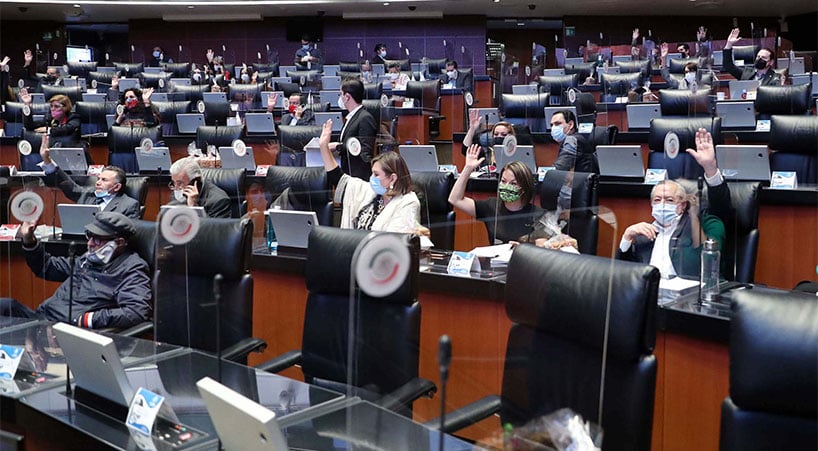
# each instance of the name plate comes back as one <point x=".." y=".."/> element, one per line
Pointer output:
<point x="447" y="168"/>
<point x="10" y="357"/>
<point x="654" y="176"/>
<point x="541" y="170"/>
<point x="784" y="180"/>
<point x="462" y="263"/>
<point x="143" y="411"/>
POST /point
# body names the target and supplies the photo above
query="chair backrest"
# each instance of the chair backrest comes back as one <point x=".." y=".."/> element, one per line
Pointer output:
<point x="381" y="365"/>
<point x="773" y="375"/>
<point x="682" y="165"/>
<point x="556" y="85"/>
<point x="216" y="113"/>
<point x="75" y="94"/>
<point x="792" y="138"/>
<point x="677" y="65"/>
<point x="126" y="139"/>
<point x="29" y="162"/>
<point x="641" y="66"/>
<point x="308" y="189"/>
<point x="436" y="212"/>
<point x="405" y="65"/>
<point x="102" y="78"/>
<point x="790" y="99"/>
<point x="232" y="182"/>
<point x="288" y="88"/>
<point x="621" y="84"/>
<point x="250" y="93"/>
<point x="143" y="242"/>
<point x="177" y="70"/>
<point x="583" y="224"/>
<point x="156" y="81"/>
<point x="184" y="305"/>
<point x="93" y="115"/>
<point x="210" y="135"/>
<point x="193" y="93"/>
<point x="137" y="188"/>
<point x="293" y="138"/>
<point x="740" y="252"/>
<point x="683" y="102"/>
<point x="129" y="69"/>
<point x="525" y="109"/>
<point x="583" y="70"/>
<point x="348" y="66"/>
<point x="426" y="92"/>
<point x="746" y="53"/>
<point x="373" y="91"/>
<point x="435" y="67"/>
<point x="558" y="303"/>
<point x="169" y="110"/>
<point x="81" y="68"/>
<point x="467" y="75"/>
<point x="270" y="67"/>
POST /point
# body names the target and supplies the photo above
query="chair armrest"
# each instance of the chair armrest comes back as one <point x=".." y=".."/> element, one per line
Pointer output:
<point x="238" y="352"/>
<point x="407" y="393"/>
<point x="468" y="414"/>
<point x="281" y="362"/>
<point x="138" y="330"/>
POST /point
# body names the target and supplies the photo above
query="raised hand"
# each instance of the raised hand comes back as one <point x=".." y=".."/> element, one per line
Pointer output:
<point x="146" y="95"/>
<point x="474" y="118"/>
<point x="664" y="50"/>
<point x="28" y="57"/>
<point x="115" y="82"/>
<point x="210" y="54"/>
<point x="45" y="153"/>
<point x="326" y="135"/>
<point x="732" y="38"/>
<point x="635" y="34"/>
<point x="271" y="101"/>
<point x="705" y="153"/>
<point x="473" y="159"/>
<point x="701" y="34"/>
<point x="25" y="96"/>
<point x="5" y="61"/>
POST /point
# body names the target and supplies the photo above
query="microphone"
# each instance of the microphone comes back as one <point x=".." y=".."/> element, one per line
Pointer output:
<point x="218" y="279"/>
<point x="444" y="358"/>
<point x="72" y="251"/>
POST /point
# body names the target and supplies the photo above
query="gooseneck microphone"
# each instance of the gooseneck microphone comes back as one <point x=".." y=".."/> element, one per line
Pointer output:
<point x="218" y="279"/>
<point x="72" y="253"/>
<point x="444" y="358"/>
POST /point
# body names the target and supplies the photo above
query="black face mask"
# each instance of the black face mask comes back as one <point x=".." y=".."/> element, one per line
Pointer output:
<point x="760" y="64"/>
<point x="498" y="140"/>
<point x="50" y="79"/>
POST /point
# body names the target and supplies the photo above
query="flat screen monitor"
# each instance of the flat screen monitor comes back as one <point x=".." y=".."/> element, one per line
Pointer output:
<point x="79" y="54"/>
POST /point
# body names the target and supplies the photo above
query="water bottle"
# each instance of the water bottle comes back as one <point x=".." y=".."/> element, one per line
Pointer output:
<point x="599" y="60"/>
<point x="270" y="233"/>
<point x="710" y="271"/>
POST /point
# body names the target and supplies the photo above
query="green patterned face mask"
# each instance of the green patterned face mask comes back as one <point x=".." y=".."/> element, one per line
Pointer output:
<point x="509" y="192"/>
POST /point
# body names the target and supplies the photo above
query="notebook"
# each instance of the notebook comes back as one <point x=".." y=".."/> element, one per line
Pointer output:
<point x="640" y="115"/>
<point x="70" y="159"/>
<point x="620" y="162"/>
<point x="240" y="422"/>
<point x="259" y="122"/>
<point x="795" y="66"/>
<point x="337" y="122"/>
<point x="189" y="122"/>
<point x="74" y="217"/>
<point x="292" y="227"/>
<point x="155" y="161"/>
<point x="740" y="89"/>
<point x="279" y="100"/>
<point x="550" y="110"/>
<point x="159" y="97"/>
<point x="421" y="158"/>
<point x="214" y="97"/>
<point x="232" y="161"/>
<point x="522" y="153"/>
<point x="744" y="162"/>
<point x="737" y="114"/>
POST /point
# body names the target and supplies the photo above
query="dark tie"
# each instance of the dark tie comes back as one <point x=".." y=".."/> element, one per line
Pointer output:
<point x="100" y="201"/>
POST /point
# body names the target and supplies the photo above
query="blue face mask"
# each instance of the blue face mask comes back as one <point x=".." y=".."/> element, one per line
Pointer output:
<point x="156" y="53"/>
<point x="375" y="183"/>
<point x="664" y="214"/>
<point x="557" y="133"/>
<point x="101" y="194"/>
<point x="245" y="78"/>
<point x="305" y="46"/>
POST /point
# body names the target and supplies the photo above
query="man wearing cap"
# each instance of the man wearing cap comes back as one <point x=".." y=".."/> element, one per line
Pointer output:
<point x="111" y="283"/>
<point x="108" y="192"/>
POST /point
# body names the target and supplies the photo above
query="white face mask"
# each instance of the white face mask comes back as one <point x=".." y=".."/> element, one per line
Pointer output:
<point x="179" y="195"/>
<point x="341" y="102"/>
<point x="451" y="73"/>
<point x="690" y="77"/>
<point x="103" y="254"/>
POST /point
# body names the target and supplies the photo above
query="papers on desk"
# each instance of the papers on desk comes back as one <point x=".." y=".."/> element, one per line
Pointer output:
<point x="499" y="254"/>
<point x="671" y="289"/>
<point x="8" y="231"/>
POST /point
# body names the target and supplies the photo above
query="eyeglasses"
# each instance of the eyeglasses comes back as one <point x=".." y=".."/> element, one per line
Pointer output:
<point x="176" y="185"/>
<point x="57" y="106"/>
<point x="97" y="240"/>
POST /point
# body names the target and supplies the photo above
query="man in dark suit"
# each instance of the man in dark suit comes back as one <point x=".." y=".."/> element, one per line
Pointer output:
<point x="190" y="189"/>
<point x="295" y="114"/>
<point x="359" y="132"/>
<point x="108" y="192"/>
<point x="761" y="70"/>
<point x="454" y="78"/>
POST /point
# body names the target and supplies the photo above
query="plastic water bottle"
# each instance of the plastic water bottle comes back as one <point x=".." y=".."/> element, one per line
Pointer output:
<point x="272" y="241"/>
<point x="710" y="271"/>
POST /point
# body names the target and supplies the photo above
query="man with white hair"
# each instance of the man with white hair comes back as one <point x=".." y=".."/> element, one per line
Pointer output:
<point x="190" y="189"/>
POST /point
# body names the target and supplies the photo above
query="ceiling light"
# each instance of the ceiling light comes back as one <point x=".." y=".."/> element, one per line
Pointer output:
<point x="385" y="3"/>
<point x="190" y="6"/>
<point x="77" y="5"/>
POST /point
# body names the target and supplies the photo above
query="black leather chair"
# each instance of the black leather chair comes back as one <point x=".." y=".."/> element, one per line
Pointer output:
<point x="677" y="65"/>
<point x="216" y="113"/>
<point x="682" y="165"/>
<point x="143" y="242"/>
<point x="268" y="67"/>
<point x="177" y="70"/>
<point x="773" y="374"/>
<point x="790" y="99"/>
<point x="347" y="74"/>
<point x="135" y="188"/>
<point x="184" y="307"/>
<point x="373" y="107"/>
<point x="221" y="136"/>
<point x="232" y="182"/>
<point x="373" y="91"/>
<point x="467" y="75"/>
<point x="557" y="303"/>
<point x="381" y="366"/>
<point x="167" y="115"/>
<point x="129" y="70"/>
<point x="249" y="95"/>
<point x="426" y="94"/>
<point x="525" y="109"/>
<point x="583" y="70"/>
<point x="103" y="80"/>
<point x="29" y="162"/>
<point x="555" y="85"/>
<point x="436" y="212"/>
<point x="159" y="81"/>
<point x="123" y="140"/>
<point x="308" y="189"/>
<point x="93" y="115"/>
<point x="306" y="79"/>
<point x="292" y="139"/>
<point x="81" y="68"/>
<point x="405" y="65"/>
<point x="740" y="252"/>
<point x="192" y="93"/>
<point x="75" y="94"/>
<point x="618" y="85"/>
<point x="435" y="67"/>
<point x="348" y="66"/>
<point x="793" y="145"/>
<point x="288" y="88"/>
<point x="584" y="222"/>
<point x="627" y="67"/>
<point x="684" y="103"/>
<point x="746" y="53"/>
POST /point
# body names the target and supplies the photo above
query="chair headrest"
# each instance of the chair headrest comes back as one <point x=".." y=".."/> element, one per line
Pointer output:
<point x="125" y="139"/>
<point x="434" y="188"/>
<point x="217" y="136"/>
<point x="793" y="134"/>
<point x="566" y="295"/>
<point x="773" y="352"/>
<point x="683" y="102"/>
<point x="524" y="105"/>
<point x="308" y="186"/>
<point x="685" y="129"/>
<point x="329" y="261"/>
<point x="583" y="189"/>
<point x="293" y="138"/>
<point x="791" y="99"/>
<point x="677" y="65"/>
<point x="218" y="241"/>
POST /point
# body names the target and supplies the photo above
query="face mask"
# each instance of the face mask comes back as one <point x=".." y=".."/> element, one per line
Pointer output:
<point x="451" y="73"/>
<point x="305" y="47"/>
<point x="178" y="195"/>
<point x="664" y="214"/>
<point x="498" y="140"/>
<point x="760" y="64"/>
<point x="393" y="76"/>
<point x="101" y="194"/>
<point x="382" y="53"/>
<point x="57" y="114"/>
<point x="197" y="76"/>
<point x="131" y="102"/>
<point x="245" y="78"/>
<point x="156" y="54"/>
<point x="690" y="77"/>
<point x="375" y="183"/>
<point x="509" y="192"/>
<point x="217" y="68"/>
<point x="50" y="78"/>
<point x="292" y="108"/>
<point x="557" y="133"/>
<point x="341" y="102"/>
<point x="103" y="254"/>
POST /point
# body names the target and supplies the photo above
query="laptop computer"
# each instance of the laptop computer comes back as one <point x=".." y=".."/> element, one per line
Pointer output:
<point x="802" y="79"/>
<point x="128" y="83"/>
<point x="109" y="119"/>
<point x="214" y="97"/>
<point x="70" y="159"/>
<point x="572" y="61"/>
<point x="744" y="162"/>
<point x="620" y="162"/>
<point x="293" y="227"/>
<point x="522" y="153"/>
<point x="74" y="217"/>
<point x="331" y="69"/>
<point x="232" y="161"/>
<point x="79" y="83"/>
<point x="553" y="72"/>
<point x="38" y="97"/>
<point x="259" y="122"/>
<point x="159" y="97"/>
<point x="550" y="110"/>
<point x="795" y="66"/>
<point x="737" y="114"/>
<point x="337" y="121"/>
<point x="330" y="97"/>
<point x="740" y="89"/>
<point x="240" y="422"/>
<point x="279" y="100"/>
<point x="421" y="158"/>
<point x="330" y="82"/>
<point x="718" y="58"/>
<point x="152" y="70"/>
<point x="488" y="116"/>
<point x="622" y="58"/>
<point x="95" y="97"/>
<point x="155" y="161"/>
<point x="377" y="69"/>
<point x="524" y="89"/>
<point x="180" y="82"/>
<point x="189" y="122"/>
<point x="640" y="115"/>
